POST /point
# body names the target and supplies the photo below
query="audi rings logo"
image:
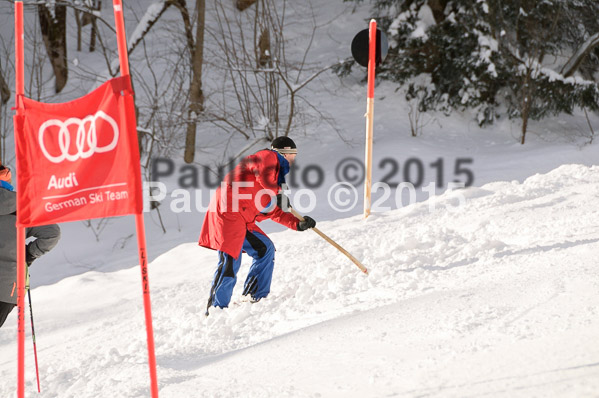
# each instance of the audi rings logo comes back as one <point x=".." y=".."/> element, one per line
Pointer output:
<point x="86" y="141"/>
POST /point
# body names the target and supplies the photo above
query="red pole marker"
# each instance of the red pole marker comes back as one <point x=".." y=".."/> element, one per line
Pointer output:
<point x="20" y="91"/>
<point x="369" y="117"/>
<point x="139" y="221"/>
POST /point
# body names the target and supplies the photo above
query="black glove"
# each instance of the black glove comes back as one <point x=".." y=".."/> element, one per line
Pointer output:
<point x="283" y="202"/>
<point x="306" y="224"/>
<point x="28" y="258"/>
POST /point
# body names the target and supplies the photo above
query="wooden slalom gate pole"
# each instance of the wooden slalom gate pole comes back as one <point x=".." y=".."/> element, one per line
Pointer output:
<point x="369" y="118"/>
<point x="332" y="242"/>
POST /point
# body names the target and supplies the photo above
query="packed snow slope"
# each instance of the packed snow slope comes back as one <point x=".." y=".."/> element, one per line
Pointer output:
<point x="495" y="297"/>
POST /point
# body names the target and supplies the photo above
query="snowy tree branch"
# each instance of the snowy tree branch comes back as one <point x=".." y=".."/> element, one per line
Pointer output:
<point x="574" y="62"/>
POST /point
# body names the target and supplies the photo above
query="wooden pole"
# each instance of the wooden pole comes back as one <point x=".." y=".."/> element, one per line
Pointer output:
<point x="332" y="242"/>
<point x="139" y="221"/>
<point x="369" y="117"/>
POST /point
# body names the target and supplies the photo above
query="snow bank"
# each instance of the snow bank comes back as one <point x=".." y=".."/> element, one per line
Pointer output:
<point x="497" y="297"/>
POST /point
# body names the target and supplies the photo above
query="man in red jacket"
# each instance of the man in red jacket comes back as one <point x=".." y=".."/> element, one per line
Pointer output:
<point x="245" y="197"/>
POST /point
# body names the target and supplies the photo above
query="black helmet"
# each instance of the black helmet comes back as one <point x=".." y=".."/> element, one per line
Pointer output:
<point x="284" y="145"/>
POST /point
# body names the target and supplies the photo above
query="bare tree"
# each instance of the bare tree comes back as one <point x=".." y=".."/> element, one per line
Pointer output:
<point x="243" y="4"/>
<point x="4" y="97"/>
<point x="84" y="18"/>
<point x="258" y="96"/>
<point x="4" y="90"/>
<point x="53" y="19"/>
<point x="195" y="48"/>
<point x="196" y="95"/>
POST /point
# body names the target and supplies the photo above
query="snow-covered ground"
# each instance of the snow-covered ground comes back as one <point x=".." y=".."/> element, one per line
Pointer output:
<point x="497" y="296"/>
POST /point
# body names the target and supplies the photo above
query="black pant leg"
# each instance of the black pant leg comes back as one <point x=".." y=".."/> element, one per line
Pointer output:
<point x="5" y="309"/>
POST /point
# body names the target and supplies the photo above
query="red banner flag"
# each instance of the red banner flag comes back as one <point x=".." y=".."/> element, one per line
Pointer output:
<point x="78" y="160"/>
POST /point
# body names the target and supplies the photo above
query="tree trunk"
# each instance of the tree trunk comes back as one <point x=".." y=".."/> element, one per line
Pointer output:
<point x="438" y="9"/>
<point x="243" y="4"/>
<point x="94" y="28"/>
<point x="196" y="96"/>
<point x="585" y="49"/>
<point x="54" y="32"/>
<point x="4" y="89"/>
<point x="524" y="126"/>
<point x="4" y="97"/>
<point x="92" y="36"/>
<point x="264" y="52"/>
<point x="526" y="103"/>
<point x="79" y="26"/>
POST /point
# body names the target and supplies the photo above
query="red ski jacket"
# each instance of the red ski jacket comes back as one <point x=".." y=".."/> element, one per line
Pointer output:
<point x="238" y="203"/>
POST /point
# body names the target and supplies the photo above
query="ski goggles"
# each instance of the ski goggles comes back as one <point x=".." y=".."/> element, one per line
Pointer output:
<point x="286" y="150"/>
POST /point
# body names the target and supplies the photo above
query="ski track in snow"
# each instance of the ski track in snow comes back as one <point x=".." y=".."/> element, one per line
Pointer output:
<point x="497" y="297"/>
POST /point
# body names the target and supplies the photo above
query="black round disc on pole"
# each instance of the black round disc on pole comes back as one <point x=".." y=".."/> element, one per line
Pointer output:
<point x="359" y="47"/>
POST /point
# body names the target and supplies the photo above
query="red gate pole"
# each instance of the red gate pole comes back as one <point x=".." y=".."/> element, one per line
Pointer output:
<point x="139" y="220"/>
<point x="143" y="262"/>
<point x="20" y="91"/>
<point x="369" y="117"/>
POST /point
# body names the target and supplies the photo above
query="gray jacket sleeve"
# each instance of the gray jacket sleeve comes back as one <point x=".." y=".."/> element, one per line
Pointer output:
<point x="8" y="202"/>
<point x="47" y="236"/>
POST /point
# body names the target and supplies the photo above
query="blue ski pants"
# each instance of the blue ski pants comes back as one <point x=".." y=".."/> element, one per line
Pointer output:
<point x="257" y="284"/>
